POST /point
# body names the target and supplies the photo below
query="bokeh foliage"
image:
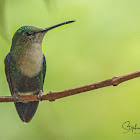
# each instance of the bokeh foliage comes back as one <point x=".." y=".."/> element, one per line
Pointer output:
<point x="102" y="43"/>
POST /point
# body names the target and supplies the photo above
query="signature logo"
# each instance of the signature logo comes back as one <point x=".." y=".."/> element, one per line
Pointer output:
<point x="128" y="127"/>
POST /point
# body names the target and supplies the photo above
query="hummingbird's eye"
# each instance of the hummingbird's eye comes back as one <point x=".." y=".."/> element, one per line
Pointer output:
<point x="28" y="33"/>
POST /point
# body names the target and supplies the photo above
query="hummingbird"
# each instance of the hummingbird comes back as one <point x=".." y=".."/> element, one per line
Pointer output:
<point x="25" y="67"/>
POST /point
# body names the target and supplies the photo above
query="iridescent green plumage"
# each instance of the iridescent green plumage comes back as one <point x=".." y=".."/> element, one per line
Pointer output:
<point x="28" y="28"/>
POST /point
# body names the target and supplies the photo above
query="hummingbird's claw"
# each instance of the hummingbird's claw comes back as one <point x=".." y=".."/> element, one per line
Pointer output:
<point x="40" y="95"/>
<point x="15" y="97"/>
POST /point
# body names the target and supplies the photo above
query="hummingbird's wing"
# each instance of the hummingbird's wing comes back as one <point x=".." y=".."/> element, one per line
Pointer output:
<point x="7" y="72"/>
<point x="44" y="68"/>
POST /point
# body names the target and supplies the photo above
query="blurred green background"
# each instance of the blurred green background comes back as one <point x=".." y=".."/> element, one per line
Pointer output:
<point x="103" y="42"/>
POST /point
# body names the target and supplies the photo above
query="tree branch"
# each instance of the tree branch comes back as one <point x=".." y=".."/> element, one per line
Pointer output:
<point x="52" y="96"/>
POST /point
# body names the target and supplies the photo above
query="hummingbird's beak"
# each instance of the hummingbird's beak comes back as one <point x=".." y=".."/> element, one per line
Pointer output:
<point x="57" y="25"/>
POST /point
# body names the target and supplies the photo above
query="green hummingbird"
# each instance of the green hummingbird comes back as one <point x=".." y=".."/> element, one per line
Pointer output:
<point x="25" y="67"/>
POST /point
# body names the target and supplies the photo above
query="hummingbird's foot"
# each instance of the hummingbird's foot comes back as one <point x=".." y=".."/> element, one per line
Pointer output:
<point x="15" y="97"/>
<point x="40" y="95"/>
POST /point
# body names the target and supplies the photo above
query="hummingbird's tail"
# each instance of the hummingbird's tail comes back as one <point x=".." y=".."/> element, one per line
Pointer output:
<point x="26" y="110"/>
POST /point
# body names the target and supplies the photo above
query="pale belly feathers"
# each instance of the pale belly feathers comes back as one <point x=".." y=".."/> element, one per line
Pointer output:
<point x="31" y="61"/>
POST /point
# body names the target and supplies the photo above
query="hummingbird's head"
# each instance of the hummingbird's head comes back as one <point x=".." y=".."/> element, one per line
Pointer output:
<point x="27" y="35"/>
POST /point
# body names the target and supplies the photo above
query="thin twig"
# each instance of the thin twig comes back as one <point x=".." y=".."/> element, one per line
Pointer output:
<point x="52" y="96"/>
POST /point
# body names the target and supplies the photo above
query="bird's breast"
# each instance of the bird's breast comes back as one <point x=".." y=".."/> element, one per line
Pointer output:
<point x="31" y="60"/>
